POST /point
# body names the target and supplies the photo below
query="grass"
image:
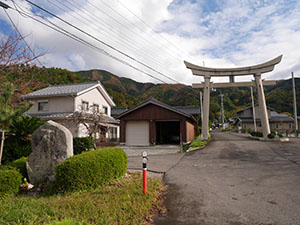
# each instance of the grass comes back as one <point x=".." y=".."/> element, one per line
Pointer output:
<point x="195" y="144"/>
<point x="120" y="202"/>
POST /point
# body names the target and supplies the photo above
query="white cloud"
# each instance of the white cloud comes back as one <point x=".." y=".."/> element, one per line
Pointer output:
<point x="220" y="33"/>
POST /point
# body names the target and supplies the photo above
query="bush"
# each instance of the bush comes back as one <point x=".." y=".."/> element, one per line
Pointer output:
<point x="20" y="165"/>
<point x="271" y="136"/>
<point x="10" y="180"/>
<point x="90" y="169"/>
<point x="257" y="134"/>
<point x="82" y="144"/>
<point x="15" y="148"/>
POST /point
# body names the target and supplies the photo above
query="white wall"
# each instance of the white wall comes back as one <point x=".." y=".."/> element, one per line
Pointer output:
<point x="92" y="97"/>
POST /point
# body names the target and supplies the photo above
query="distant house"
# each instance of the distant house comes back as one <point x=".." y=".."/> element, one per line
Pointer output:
<point x="153" y="122"/>
<point x="278" y="122"/>
<point x="59" y="102"/>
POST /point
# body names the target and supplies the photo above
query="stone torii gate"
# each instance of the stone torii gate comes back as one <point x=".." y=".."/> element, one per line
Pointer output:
<point x="256" y="71"/>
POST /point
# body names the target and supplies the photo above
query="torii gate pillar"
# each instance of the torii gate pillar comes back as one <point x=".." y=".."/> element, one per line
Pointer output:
<point x="262" y="105"/>
<point x="255" y="70"/>
<point x="205" y="128"/>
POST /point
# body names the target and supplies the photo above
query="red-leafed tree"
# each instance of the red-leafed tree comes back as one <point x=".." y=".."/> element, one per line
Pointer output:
<point x="15" y="57"/>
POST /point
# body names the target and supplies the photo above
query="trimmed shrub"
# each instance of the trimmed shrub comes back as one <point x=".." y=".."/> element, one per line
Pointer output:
<point x="257" y="134"/>
<point x="90" y="170"/>
<point x="82" y="144"/>
<point x="271" y="136"/>
<point x="20" y="165"/>
<point x="10" y="181"/>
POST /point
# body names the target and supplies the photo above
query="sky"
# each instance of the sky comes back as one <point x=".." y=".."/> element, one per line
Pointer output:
<point x="152" y="38"/>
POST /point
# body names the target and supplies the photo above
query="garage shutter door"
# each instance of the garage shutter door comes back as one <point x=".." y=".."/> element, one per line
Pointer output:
<point x="137" y="133"/>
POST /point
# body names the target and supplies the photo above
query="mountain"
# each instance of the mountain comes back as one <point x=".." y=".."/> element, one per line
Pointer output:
<point x="127" y="92"/>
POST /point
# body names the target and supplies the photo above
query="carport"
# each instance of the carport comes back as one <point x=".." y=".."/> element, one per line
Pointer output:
<point x="167" y="132"/>
<point x="153" y="122"/>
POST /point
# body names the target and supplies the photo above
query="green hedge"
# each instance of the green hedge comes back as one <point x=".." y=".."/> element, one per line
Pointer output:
<point x="10" y="181"/>
<point x="90" y="169"/>
<point x="20" y="165"/>
<point x="82" y="144"/>
<point x="257" y="134"/>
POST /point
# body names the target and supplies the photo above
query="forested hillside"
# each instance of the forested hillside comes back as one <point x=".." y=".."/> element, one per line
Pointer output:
<point x="127" y="92"/>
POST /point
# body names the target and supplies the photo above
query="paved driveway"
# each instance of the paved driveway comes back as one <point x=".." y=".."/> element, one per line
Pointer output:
<point x="235" y="180"/>
<point x="160" y="157"/>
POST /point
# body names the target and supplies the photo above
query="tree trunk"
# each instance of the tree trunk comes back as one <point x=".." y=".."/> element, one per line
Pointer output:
<point x="2" y="145"/>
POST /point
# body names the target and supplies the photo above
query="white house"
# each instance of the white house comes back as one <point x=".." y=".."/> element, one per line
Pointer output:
<point x="59" y="102"/>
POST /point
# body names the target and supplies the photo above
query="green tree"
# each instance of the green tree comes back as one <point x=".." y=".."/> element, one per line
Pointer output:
<point x="18" y="142"/>
<point x="7" y="111"/>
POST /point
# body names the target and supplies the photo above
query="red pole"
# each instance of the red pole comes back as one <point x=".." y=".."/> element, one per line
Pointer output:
<point x="145" y="159"/>
<point x="145" y="181"/>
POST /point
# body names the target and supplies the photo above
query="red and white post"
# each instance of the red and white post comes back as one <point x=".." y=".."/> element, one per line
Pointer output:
<point x="145" y="159"/>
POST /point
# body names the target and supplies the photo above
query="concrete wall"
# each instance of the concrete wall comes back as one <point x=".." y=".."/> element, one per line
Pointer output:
<point x="56" y="105"/>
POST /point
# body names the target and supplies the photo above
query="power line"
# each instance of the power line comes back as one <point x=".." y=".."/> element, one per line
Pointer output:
<point x="134" y="25"/>
<point x="82" y="41"/>
<point x="102" y="42"/>
<point x="17" y="30"/>
<point x="145" y="23"/>
<point x="78" y="39"/>
<point x="91" y="22"/>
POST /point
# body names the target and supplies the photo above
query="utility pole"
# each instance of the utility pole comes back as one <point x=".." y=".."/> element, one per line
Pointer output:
<point x="253" y="109"/>
<point x="222" y="110"/>
<point x="295" y="105"/>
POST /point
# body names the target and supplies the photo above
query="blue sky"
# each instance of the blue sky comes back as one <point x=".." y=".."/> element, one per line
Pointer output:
<point x="163" y="33"/>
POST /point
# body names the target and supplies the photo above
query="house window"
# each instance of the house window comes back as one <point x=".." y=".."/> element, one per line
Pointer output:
<point x="276" y="125"/>
<point x="43" y="106"/>
<point x="85" y="106"/>
<point x="290" y="125"/>
<point x="105" y="110"/>
<point x="95" y="108"/>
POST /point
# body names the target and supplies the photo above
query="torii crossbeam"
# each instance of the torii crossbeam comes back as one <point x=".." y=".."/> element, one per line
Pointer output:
<point x="256" y="71"/>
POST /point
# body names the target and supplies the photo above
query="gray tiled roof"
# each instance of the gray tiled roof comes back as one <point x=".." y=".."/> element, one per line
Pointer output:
<point x="117" y="111"/>
<point x="60" y="90"/>
<point x="275" y="117"/>
<point x="48" y="116"/>
<point x="193" y="110"/>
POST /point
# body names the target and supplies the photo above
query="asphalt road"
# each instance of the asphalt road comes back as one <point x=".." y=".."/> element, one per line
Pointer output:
<point x="235" y="180"/>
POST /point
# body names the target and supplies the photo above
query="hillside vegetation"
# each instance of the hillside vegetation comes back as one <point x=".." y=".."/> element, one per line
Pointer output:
<point x="127" y="92"/>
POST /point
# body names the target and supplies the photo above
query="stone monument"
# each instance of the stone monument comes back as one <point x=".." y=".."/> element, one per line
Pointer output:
<point x="52" y="143"/>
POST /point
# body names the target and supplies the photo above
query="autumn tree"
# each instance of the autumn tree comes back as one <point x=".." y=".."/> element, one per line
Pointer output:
<point x="15" y="57"/>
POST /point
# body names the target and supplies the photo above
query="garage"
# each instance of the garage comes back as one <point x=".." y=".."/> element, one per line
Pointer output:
<point x="168" y="132"/>
<point x="155" y="123"/>
<point x="137" y="133"/>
